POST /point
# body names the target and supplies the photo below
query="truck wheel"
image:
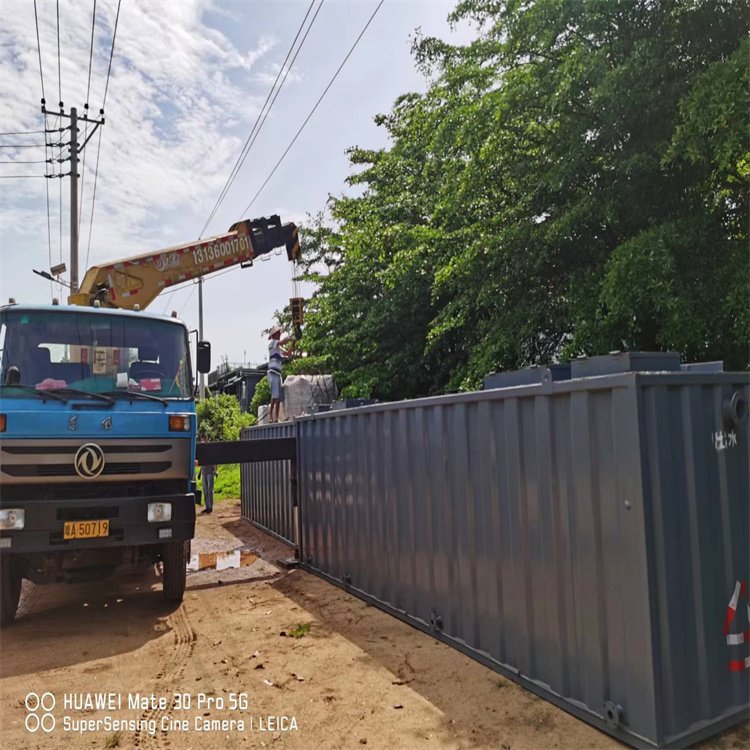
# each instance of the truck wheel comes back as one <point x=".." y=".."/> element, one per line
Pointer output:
<point x="10" y="590"/>
<point x="174" y="570"/>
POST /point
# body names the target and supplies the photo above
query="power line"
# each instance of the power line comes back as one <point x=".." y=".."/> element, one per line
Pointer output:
<point x="49" y="221"/>
<point x="216" y="276"/>
<point x="246" y="148"/>
<point x="59" y="68"/>
<point x="195" y="284"/>
<point x="39" y="48"/>
<point x="192" y="291"/>
<point x="278" y="91"/>
<point x="91" y="52"/>
<point x="59" y="184"/>
<point x="26" y="132"/>
<point x="33" y="161"/>
<point x="93" y="198"/>
<point x="169" y="299"/>
<point x="46" y="182"/>
<point x="182" y="285"/>
<point x="22" y="145"/>
<point x="59" y="94"/>
<point x="83" y="180"/>
<point x="99" y="142"/>
<point x="112" y="52"/>
<point x="86" y="108"/>
<point x="21" y="176"/>
<point x="312" y="111"/>
<point x="49" y="233"/>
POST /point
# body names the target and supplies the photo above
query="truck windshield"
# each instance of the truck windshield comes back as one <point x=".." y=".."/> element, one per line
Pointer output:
<point x="92" y="352"/>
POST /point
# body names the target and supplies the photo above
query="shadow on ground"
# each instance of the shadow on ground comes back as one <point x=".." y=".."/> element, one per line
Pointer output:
<point x="97" y="620"/>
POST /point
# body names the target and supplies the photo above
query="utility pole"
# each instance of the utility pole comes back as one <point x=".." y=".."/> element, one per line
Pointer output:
<point x="75" y="150"/>
<point x="201" y="380"/>
<point x="73" y="200"/>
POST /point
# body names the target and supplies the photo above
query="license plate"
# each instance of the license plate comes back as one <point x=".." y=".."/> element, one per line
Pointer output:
<point x="85" y="529"/>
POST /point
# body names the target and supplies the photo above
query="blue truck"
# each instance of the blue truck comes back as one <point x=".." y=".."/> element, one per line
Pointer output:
<point x="97" y="418"/>
<point x="97" y="446"/>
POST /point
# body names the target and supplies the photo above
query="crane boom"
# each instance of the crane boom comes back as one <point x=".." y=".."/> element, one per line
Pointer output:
<point x="139" y="279"/>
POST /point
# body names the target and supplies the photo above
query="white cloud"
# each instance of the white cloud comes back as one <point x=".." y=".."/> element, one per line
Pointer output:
<point x="267" y="77"/>
<point x="173" y="110"/>
<point x="188" y="79"/>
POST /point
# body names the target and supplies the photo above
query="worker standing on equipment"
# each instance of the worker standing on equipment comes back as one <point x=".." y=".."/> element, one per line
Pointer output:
<point x="275" y="356"/>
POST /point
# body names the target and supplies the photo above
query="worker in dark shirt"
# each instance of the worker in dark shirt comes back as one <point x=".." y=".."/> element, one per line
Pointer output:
<point x="208" y="475"/>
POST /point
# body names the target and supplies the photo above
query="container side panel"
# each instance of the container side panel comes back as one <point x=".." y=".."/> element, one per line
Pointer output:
<point x="698" y="494"/>
<point x="565" y="543"/>
<point x="631" y="681"/>
<point x="484" y="521"/>
<point x="583" y="538"/>
<point x="551" y="630"/>
<point x="586" y="555"/>
<point x="266" y="488"/>
<point x="422" y="510"/>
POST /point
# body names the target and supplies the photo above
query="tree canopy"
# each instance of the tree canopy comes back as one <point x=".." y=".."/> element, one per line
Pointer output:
<point x="572" y="181"/>
<point x="220" y="418"/>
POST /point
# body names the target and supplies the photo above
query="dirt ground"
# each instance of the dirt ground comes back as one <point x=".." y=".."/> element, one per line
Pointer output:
<point x="300" y="662"/>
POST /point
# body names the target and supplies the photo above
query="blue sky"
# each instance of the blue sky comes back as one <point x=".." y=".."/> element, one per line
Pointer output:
<point x="188" y="80"/>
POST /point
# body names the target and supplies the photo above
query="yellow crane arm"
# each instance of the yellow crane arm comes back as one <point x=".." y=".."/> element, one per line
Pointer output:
<point x="139" y="279"/>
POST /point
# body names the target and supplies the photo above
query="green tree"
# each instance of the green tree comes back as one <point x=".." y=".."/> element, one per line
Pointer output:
<point x="261" y="396"/>
<point x="220" y="418"/>
<point x="573" y="181"/>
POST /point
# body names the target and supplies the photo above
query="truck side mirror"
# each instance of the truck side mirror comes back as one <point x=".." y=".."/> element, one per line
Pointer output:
<point x="204" y="357"/>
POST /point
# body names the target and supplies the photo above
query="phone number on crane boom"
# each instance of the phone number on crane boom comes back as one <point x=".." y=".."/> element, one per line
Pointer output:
<point x="219" y="250"/>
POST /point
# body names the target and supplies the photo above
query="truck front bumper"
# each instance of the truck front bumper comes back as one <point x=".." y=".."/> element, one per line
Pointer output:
<point x="128" y="523"/>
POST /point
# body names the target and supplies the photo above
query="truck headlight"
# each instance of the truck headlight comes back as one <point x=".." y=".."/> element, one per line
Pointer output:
<point x="158" y="512"/>
<point x="12" y="518"/>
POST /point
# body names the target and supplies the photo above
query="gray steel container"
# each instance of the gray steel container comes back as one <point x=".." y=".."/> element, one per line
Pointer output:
<point x="529" y="376"/>
<point x="615" y="362"/>
<point x="267" y="488"/>
<point x="583" y="537"/>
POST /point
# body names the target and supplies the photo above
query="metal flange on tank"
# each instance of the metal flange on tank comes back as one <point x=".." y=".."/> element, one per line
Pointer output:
<point x="612" y="714"/>
<point x="734" y="410"/>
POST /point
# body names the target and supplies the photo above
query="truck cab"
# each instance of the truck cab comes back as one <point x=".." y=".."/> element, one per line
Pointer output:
<point x="97" y="446"/>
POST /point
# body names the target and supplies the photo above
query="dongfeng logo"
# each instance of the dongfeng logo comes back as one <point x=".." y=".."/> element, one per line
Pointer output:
<point x="89" y="461"/>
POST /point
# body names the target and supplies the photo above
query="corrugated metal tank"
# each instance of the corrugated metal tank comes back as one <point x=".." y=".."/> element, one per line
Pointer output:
<point x="584" y="537"/>
<point x="266" y="486"/>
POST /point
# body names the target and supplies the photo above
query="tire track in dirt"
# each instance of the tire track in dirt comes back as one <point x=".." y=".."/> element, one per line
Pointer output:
<point x="168" y="677"/>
